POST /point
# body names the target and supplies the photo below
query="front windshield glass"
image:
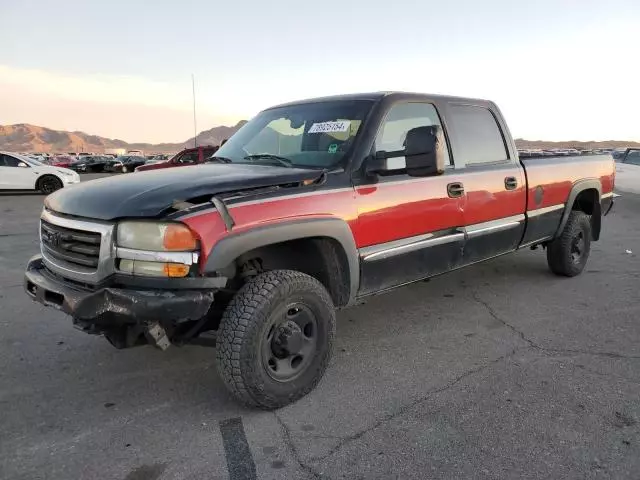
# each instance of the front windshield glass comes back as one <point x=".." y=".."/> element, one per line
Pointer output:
<point x="313" y="135"/>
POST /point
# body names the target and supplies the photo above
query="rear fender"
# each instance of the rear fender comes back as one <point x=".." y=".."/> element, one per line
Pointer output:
<point x="233" y="246"/>
<point x="579" y="187"/>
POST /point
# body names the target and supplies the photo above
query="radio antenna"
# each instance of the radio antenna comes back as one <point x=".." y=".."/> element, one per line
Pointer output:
<point x="195" y="128"/>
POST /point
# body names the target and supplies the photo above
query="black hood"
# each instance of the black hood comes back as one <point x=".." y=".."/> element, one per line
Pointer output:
<point x="148" y="194"/>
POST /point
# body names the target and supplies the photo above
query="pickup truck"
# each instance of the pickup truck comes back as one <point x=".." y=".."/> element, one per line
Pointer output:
<point x="187" y="157"/>
<point x="631" y="156"/>
<point x="310" y="206"/>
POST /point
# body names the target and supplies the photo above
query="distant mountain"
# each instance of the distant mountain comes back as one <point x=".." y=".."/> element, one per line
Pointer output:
<point x="31" y="138"/>
<point x="521" y="143"/>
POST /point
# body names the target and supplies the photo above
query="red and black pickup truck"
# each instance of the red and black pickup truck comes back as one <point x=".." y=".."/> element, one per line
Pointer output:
<point x="185" y="158"/>
<point x="310" y="206"/>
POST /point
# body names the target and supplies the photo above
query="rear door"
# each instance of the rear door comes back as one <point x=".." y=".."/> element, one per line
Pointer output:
<point x="408" y="227"/>
<point x="493" y="181"/>
<point x="13" y="176"/>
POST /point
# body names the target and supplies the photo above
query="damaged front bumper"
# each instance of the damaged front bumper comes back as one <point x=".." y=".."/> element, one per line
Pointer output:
<point x="123" y="312"/>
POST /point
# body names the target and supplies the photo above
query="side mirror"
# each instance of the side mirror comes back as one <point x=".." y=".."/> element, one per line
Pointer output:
<point x="423" y="154"/>
<point x="23" y="165"/>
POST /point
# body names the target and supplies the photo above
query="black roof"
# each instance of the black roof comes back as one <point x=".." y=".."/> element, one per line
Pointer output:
<point x="375" y="96"/>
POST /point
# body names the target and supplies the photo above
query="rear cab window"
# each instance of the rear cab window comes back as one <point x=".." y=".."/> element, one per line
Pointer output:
<point x="479" y="139"/>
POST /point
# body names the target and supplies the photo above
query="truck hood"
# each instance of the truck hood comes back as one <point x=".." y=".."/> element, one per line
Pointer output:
<point x="150" y="193"/>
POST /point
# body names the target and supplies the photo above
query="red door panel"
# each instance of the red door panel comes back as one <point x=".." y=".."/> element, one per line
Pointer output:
<point x="399" y="209"/>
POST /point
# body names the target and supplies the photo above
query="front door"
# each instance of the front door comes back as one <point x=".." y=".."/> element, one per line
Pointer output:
<point x="408" y="228"/>
<point x="493" y="181"/>
<point x="13" y="176"/>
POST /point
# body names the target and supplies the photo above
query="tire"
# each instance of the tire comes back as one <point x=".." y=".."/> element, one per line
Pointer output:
<point x="568" y="253"/>
<point x="49" y="184"/>
<point x="251" y="359"/>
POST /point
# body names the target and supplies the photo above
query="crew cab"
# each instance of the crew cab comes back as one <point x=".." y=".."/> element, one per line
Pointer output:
<point x="187" y="157"/>
<point x="19" y="172"/>
<point x="310" y="206"/>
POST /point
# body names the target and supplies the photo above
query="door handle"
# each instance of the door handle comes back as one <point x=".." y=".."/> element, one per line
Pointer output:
<point x="510" y="183"/>
<point x="455" y="190"/>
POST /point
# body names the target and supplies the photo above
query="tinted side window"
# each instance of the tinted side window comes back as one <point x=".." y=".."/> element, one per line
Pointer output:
<point x="479" y="139"/>
<point x="633" y="158"/>
<point x="7" y="161"/>
<point x="402" y="118"/>
<point x="208" y="152"/>
<point x="189" y="157"/>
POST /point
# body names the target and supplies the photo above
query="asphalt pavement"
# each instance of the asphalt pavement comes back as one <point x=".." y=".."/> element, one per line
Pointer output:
<point x="498" y="371"/>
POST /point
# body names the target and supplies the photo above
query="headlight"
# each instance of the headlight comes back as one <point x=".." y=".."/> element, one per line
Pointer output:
<point x="66" y="174"/>
<point x="164" y="237"/>
<point x="155" y="249"/>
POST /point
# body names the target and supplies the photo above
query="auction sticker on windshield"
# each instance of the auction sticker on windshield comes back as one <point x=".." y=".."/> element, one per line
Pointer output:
<point x="330" y="127"/>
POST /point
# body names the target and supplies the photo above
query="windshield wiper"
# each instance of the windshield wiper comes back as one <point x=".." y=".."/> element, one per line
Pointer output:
<point x="268" y="156"/>
<point x="215" y="159"/>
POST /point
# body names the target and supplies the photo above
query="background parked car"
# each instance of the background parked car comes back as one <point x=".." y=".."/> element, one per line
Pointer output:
<point x="631" y="156"/>
<point x="90" y="164"/>
<point x="18" y="172"/>
<point x="114" y="164"/>
<point x="129" y="164"/>
<point x="62" y="161"/>
<point x="189" y="156"/>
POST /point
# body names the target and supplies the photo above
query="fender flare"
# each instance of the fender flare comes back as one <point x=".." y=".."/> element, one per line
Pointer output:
<point x="231" y="247"/>
<point x="577" y="188"/>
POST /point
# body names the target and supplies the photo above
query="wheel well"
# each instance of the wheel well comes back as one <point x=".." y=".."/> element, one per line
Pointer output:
<point x="320" y="257"/>
<point x="46" y="175"/>
<point x="588" y="201"/>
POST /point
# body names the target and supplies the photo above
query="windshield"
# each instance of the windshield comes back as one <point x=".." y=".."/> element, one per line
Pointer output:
<point x="313" y="135"/>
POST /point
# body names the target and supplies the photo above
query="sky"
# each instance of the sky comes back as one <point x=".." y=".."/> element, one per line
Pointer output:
<point x="558" y="69"/>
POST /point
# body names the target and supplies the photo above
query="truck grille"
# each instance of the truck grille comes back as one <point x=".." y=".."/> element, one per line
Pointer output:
<point x="74" y="247"/>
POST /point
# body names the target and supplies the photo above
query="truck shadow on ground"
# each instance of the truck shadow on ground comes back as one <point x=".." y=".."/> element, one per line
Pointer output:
<point x="188" y="374"/>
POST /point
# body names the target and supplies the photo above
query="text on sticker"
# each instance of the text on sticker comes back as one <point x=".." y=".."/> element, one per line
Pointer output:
<point x="330" y="127"/>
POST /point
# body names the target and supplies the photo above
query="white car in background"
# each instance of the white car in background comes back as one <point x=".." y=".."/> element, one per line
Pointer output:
<point x="18" y="172"/>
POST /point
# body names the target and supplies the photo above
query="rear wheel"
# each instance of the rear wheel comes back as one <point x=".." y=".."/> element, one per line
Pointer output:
<point x="49" y="184"/>
<point x="276" y="339"/>
<point x="567" y="254"/>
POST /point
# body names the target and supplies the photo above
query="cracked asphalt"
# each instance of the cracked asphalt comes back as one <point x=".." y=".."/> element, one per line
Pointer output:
<point x="498" y="371"/>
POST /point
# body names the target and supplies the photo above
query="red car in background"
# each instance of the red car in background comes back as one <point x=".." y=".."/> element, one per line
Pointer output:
<point x="189" y="156"/>
<point x="62" y="161"/>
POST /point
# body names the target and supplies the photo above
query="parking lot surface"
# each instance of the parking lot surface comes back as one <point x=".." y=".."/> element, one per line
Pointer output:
<point x="500" y="370"/>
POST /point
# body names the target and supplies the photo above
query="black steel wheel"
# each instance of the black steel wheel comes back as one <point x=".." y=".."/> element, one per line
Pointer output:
<point x="291" y="341"/>
<point x="276" y="339"/>
<point x="567" y="254"/>
<point x="49" y="184"/>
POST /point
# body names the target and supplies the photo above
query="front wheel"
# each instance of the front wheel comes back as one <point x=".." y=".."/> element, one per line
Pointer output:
<point x="567" y="254"/>
<point x="49" y="184"/>
<point x="276" y="339"/>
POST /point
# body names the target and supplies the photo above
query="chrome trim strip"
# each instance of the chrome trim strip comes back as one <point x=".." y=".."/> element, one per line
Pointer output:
<point x="265" y="200"/>
<point x="289" y="197"/>
<point x="185" y="258"/>
<point x="607" y="195"/>
<point x="423" y="241"/>
<point x="77" y="272"/>
<point x="494" y="226"/>
<point x="545" y="210"/>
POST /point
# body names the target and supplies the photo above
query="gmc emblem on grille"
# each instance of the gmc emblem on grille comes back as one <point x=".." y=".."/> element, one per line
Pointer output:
<point x="51" y="238"/>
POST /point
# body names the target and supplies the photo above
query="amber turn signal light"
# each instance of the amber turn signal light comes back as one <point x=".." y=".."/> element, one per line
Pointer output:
<point x="178" y="237"/>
